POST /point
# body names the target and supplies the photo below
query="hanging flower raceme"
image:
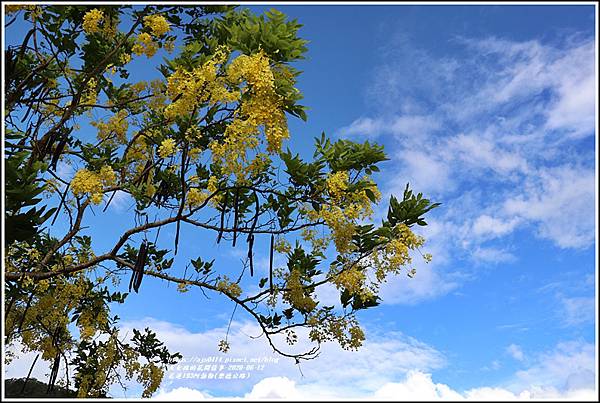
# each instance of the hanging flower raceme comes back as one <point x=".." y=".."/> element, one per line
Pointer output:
<point x="91" y="21"/>
<point x="167" y="148"/>
<point x="93" y="183"/>
<point x="145" y="45"/>
<point x="157" y="23"/>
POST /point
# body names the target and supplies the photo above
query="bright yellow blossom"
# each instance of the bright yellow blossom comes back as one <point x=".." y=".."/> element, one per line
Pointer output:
<point x="93" y="183"/>
<point x="144" y="45"/>
<point x="167" y="148"/>
<point x="157" y="23"/>
<point x="91" y="19"/>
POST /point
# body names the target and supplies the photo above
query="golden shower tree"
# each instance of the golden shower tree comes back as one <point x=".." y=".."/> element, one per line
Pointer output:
<point x="201" y="146"/>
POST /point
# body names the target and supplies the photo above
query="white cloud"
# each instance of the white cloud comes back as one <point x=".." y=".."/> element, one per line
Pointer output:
<point x="515" y="352"/>
<point x="19" y="366"/>
<point x="491" y="129"/>
<point x="274" y="388"/>
<point x="417" y="386"/>
<point x="486" y="225"/>
<point x="578" y="310"/>
<point x="389" y="366"/>
<point x="404" y="126"/>
<point x="381" y="357"/>
<point x="425" y="171"/>
<point x="570" y="366"/>
<point x="574" y="105"/>
<point x="473" y="150"/>
<point x="561" y="201"/>
<point x="367" y="127"/>
<point x="181" y="393"/>
<point x="429" y="282"/>
<point x="121" y="201"/>
<point x="491" y="255"/>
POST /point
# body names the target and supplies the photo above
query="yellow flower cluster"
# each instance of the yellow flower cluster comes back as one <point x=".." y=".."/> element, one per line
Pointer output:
<point x="90" y="94"/>
<point x="261" y="110"/>
<point x="157" y="23"/>
<point x="352" y="279"/>
<point x="396" y="254"/>
<point x="89" y="322"/>
<point x="144" y="45"/>
<point x="169" y="45"/>
<point x="337" y="183"/>
<point x="125" y="58"/>
<point x="345" y="210"/>
<point x="264" y="107"/>
<point x="212" y="186"/>
<point x="319" y="244"/>
<point x="49" y="309"/>
<point x="138" y="150"/>
<point x="91" y="19"/>
<point x="202" y="84"/>
<point x="115" y="130"/>
<point x="150" y="376"/>
<point x="342" y="228"/>
<point x="345" y="330"/>
<point x="295" y="293"/>
<point x="281" y="245"/>
<point x="167" y="148"/>
<point x="226" y="286"/>
<point x="194" y="153"/>
<point x="195" y="197"/>
<point x="92" y="183"/>
<point x="157" y="101"/>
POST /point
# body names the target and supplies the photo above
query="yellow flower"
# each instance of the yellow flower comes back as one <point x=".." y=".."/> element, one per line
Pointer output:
<point x="91" y="19"/>
<point x="194" y="153"/>
<point x="195" y="197"/>
<point x="125" y="58"/>
<point x="226" y="286"/>
<point x="296" y="295"/>
<point x="337" y="183"/>
<point x="116" y="125"/>
<point x="167" y="148"/>
<point x="351" y="279"/>
<point x="92" y="183"/>
<point x="144" y="45"/>
<point x="90" y="95"/>
<point x="157" y="23"/>
<point x="282" y="245"/>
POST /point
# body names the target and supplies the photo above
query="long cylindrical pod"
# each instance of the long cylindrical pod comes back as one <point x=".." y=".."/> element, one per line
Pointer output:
<point x="235" y="214"/>
<point x="250" y="259"/>
<point x="222" y="217"/>
<point x="271" y="263"/>
<point x="140" y="266"/>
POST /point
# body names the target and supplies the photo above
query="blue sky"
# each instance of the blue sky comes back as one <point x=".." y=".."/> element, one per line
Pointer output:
<point x="487" y="109"/>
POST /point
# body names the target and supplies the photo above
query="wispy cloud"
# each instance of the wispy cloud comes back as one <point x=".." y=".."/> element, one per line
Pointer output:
<point x="515" y="352"/>
<point x="407" y="374"/>
<point x="577" y="310"/>
<point x="496" y="135"/>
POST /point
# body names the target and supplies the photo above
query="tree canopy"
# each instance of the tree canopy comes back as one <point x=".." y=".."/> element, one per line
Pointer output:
<point x="201" y="146"/>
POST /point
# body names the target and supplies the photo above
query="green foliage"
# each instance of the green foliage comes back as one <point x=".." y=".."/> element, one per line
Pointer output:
<point x="152" y="349"/>
<point x="249" y="33"/>
<point x="24" y="217"/>
<point x="344" y="155"/>
<point x="410" y="210"/>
